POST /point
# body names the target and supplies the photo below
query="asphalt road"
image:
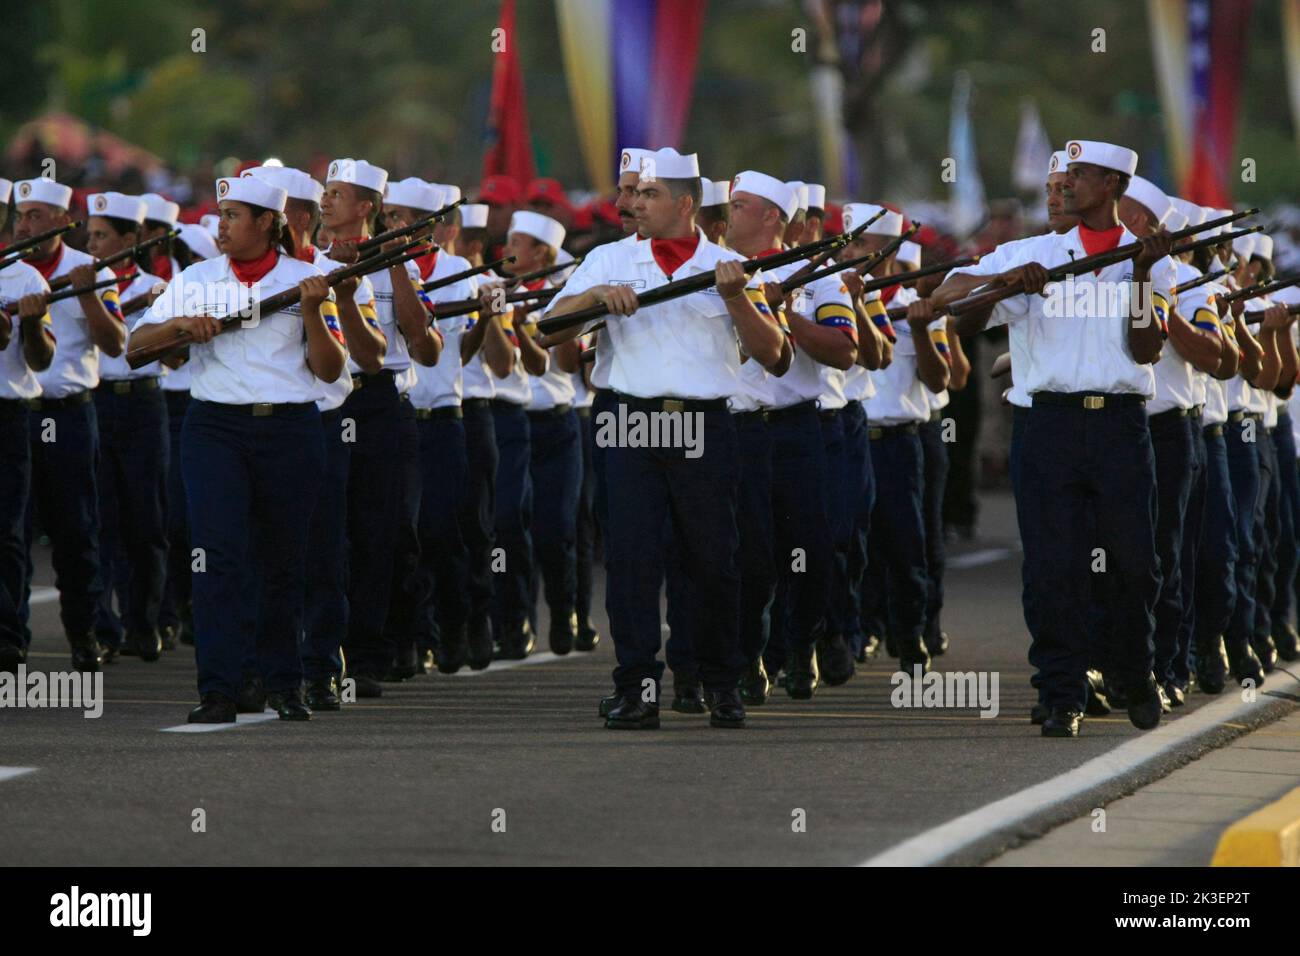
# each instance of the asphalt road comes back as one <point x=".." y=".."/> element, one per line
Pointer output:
<point x="421" y="776"/>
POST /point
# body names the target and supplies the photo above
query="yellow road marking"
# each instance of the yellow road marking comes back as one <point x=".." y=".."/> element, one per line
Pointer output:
<point x="1268" y="837"/>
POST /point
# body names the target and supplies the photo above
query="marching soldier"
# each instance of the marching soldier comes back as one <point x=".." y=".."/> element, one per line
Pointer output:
<point x="64" y="435"/>
<point x="160" y="217"/>
<point x="1085" y="440"/>
<point x="133" y="450"/>
<point x="26" y="348"/>
<point x="654" y="371"/>
<point x="715" y="209"/>
<point x="252" y="449"/>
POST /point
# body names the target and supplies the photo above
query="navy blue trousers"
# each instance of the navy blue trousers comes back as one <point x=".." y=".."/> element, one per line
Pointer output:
<point x="1087" y="481"/>
<point x="850" y="499"/>
<point x="1267" y="531"/>
<point x="1246" y="484"/>
<point x="176" y="591"/>
<point x="325" y="621"/>
<point x="585" y="542"/>
<point x="894" y="586"/>
<point x="647" y="488"/>
<point x="1179" y="669"/>
<point x="1216" y="560"/>
<point x="514" y="517"/>
<point x="134" y="441"/>
<point x="1171" y="441"/>
<point x="401" y="632"/>
<point x="556" y="474"/>
<point x="754" y="527"/>
<point x="804" y="553"/>
<point x="15" y="486"/>
<point x="375" y="410"/>
<point x="936" y="483"/>
<point x="65" y="457"/>
<point x="478" y="509"/>
<point x="1288" y="482"/>
<point x="442" y="587"/>
<point x="251" y="485"/>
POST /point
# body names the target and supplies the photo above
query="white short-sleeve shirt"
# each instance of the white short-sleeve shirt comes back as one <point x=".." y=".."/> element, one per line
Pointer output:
<point x="17" y="380"/>
<point x="75" y="367"/>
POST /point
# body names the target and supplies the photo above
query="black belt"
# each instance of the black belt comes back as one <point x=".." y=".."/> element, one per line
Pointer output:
<point x="936" y="415"/>
<point x="1089" y="400"/>
<point x="1169" y="415"/>
<point x="828" y="414"/>
<point x="584" y="411"/>
<point x="476" y="403"/>
<point x="1213" y="431"/>
<point x="125" y="386"/>
<point x="363" y="378"/>
<point x="1197" y="411"/>
<point x="68" y="401"/>
<point x="793" y="411"/>
<point x="557" y="411"/>
<point x="446" y="411"/>
<point x="264" y="409"/>
<point x="16" y="404"/>
<point x="757" y="415"/>
<point x="877" y="432"/>
<point x="1236" y="416"/>
<point x="665" y="404"/>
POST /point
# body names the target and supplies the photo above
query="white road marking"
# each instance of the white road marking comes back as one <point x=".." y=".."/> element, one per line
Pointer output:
<point x="936" y="844"/>
<point x="241" y="720"/>
<point x="8" y="773"/>
<point x="43" y="595"/>
<point x="976" y="558"/>
<point x="542" y="657"/>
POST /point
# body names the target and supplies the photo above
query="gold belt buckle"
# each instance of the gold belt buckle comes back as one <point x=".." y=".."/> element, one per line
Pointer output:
<point x="262" y="409"/>
<point x="1094" y="402"/>
<point x="674" y="405"/>
<point x="121" y="388"/>
<point x="875" y="434"/>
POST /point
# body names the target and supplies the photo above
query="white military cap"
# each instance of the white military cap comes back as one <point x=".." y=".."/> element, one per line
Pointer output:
<point x="1150" y="195"/>
<point x="856" y="213"/>
<point x="1194" y="214"/>
<point x="1176" y="219"/>
<point x="210" y="223"/>
<point x="474" y="216"/>
<point x="630" y="160"/>
<point x="542" y="228"/>
<point x="1263" y="246"/>
<point x="6" y="187"/>
<point x="667" y="163"/>
<point x="117" y="205"/>
<point x="446" y="196"/>
<point x="800" y="194"/>
<point x="359" y="173"/>
<point x="1210" y="213"/>
<point x="414" y="192"/>
<point x="1058" y="162"/>
<point x="780" y="194"/>
<point x="44" y="190"/>
<point x="1119" y="158"/>
<point x="910" y="253"/>
<point x="199" y="241"/>
<point x="159" y="209"/>
<point x="295" y="182"/>
<point x="251" y="190"/>
<point x="1244" y="246"/>
<point x="816" y="196"/>
<point x="714" y="192"/>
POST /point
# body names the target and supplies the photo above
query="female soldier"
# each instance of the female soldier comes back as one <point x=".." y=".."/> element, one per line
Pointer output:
<point x="252" y="450"/>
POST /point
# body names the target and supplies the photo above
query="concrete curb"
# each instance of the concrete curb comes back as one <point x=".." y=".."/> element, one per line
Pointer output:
<point x="1268" y="837"/>
<point x="982" y="834"/>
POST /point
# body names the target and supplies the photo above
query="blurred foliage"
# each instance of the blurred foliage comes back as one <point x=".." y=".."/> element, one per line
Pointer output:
<point x="405" y="83"/>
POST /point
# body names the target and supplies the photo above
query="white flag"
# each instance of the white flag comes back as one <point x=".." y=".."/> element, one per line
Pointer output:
<point x="1033" y="150"/>
<point x="967" y="189"/>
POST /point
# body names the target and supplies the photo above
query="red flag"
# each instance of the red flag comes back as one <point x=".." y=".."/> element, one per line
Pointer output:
<point x="1219" y="41"/>
<point x="509" y="144"/>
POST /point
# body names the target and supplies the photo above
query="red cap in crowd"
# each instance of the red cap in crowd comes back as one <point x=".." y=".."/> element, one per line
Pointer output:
<point x="499" y="191"/>
<point x="547" y="190"/>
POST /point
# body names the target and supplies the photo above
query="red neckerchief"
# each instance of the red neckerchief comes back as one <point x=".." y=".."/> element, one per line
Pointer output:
<point x="889" y="292"/>
<point x="426" y="263"/>
<point x="671" y="253"/>
<point x="120" y="269"/>
<point x="307" y="253"/>
<point x="46" y="267"/>
<point x="161" y="266"/>
<point x="535" y="284"/>
<point x="254" y="270"/>
<point x="1099" y="240"/>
